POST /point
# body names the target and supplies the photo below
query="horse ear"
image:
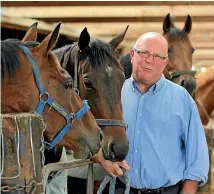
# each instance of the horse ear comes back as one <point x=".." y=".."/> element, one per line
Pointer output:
<point x="31" y="34"/>
<point x="167" y="23"/>
<point x="188" y="25"/>
<point x="118" y="39"/>
<point x="49" y="42"/>
<point x="84" y="40"/>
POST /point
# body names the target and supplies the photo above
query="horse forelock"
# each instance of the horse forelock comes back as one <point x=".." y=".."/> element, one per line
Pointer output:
<point x="101" y="54"/>
<point x="175" y="33"/>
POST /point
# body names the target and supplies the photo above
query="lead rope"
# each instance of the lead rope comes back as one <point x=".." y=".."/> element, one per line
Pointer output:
<point x="112" y="181"/>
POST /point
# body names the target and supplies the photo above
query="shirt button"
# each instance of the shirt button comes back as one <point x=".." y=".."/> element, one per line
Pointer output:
<point x="135" y="171"/>
<point x="138" y="132"/>
<point x="133" y="89"/>
<point x="140" y="114"/>
<point x="136" y="151"/>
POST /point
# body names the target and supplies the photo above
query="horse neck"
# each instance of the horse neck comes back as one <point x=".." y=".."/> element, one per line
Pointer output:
<point x="206" y="95"/>
<point x="18" y="92"/>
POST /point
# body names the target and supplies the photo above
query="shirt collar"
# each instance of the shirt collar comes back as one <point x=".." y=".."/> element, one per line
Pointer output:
<point x="155" y="88"/>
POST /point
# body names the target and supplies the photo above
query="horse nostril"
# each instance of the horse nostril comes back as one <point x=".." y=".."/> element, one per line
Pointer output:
<point x="112" y="150"/>
<point x="182" y="82"/>
<point x="118" y="151"/>
<point x="189" y="85"/>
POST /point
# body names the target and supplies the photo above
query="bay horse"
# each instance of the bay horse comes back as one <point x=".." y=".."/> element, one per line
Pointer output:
<point x="34" y="81"/>
<point x="98" y="78"/>
<point x="204" y="96"/>
<point x="179" y="52"/>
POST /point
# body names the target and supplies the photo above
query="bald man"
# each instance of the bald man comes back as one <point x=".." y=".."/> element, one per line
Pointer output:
<point x="168" y="151"/>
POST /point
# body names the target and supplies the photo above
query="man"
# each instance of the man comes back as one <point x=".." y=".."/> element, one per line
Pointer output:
<point x="168" y="151"/>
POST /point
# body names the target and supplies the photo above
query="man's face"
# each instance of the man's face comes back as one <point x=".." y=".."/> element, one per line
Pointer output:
<point x="149" y="60"/>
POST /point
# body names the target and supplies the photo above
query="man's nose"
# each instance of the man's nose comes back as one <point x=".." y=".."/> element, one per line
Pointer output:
<point x="149" y="58"/>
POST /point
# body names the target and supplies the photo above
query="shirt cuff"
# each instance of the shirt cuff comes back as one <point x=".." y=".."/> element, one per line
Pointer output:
<point x="196" y="175"/>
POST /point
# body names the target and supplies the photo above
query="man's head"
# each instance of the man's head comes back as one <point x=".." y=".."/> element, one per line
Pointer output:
<point x="149" y="58"/>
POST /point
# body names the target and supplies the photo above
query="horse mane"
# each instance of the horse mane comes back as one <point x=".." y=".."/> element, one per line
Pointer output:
<point x="205" y="78"/>
<point x="98" y="53"/>
<point x="10" y="59"/>
<point x="125" y="61"/>
<point x="60" y="52"/>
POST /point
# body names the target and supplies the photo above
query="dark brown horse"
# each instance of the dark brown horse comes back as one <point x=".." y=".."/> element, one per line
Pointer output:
<point x="180" y="55"/>
<point x="205" y="94"/>
<point x="33" y="79"/>
<point x="99" y="77"/>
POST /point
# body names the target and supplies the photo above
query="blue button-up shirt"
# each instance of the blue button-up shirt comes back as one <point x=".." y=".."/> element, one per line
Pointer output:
<point x="166" y="136"/>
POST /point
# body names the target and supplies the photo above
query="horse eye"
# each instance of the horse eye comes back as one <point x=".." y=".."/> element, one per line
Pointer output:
<point x="69" y="85"/>
<point x="87" y="84"/>
<point x="169" y="50"/>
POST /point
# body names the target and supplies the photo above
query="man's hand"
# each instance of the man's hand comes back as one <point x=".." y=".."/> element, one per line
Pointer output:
<point x="112" y="168"/>
<point x="189" y="187"/>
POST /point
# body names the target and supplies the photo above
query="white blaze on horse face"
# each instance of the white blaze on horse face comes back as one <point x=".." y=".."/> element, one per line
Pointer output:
<point x="109" y="70"/>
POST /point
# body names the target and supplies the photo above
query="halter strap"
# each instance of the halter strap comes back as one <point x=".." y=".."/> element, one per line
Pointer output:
<point x="172" y="75"/>
<point x="45" y="98"/>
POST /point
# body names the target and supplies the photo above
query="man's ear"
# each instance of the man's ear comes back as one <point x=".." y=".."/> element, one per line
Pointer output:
<point x="131" y="54"/>
<point x="166" y="61"/>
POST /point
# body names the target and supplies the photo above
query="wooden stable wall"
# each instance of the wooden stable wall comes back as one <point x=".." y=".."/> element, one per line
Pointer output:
<point x="106" y="19"/>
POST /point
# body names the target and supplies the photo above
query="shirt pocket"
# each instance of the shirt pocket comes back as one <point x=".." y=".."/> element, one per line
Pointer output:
<point x="172" y="126"/>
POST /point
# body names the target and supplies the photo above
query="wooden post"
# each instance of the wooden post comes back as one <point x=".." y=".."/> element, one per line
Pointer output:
<point x="90" y="180"/>
<point x="21" y="160"/>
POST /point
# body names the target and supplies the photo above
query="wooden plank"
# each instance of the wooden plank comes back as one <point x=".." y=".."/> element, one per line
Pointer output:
<point x="124" y="19"/>
<point x="203" y="45"/>
<point x="196" y="45"/>
<point x="43" y="28"/>
<point x="109" y="11"/>
<point x="204" y="63"/>
<point x="101" y="29"/>
<point x="17" y="132"/>
<point x="101" y="3"/>
<point x="203" y="57"/>
<point x="199" y="54"/>
<point x="194" y="36"/>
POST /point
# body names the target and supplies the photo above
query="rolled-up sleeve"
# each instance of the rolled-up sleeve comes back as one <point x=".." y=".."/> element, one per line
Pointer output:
<point x="197" y="157"/>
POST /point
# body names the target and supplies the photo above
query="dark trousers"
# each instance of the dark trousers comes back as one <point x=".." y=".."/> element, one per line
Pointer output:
<point x="120" y="189"/>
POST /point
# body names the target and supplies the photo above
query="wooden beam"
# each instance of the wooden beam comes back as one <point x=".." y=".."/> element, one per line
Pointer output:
<point x="100" y="3"/>
<point x="203" y="57"/>
<point x="196" y="45"/>
<point x="204" y="53"/>
<point x="104" y="12"/>
<point x="123" y="19"/>
<point x="102" y="29"/>
<point x="132" y="35"/>
<point x="203" y="63"/>
<point x="203" y="45"/>
<point x="194" y="36"/>
<point x="43" y="28"/>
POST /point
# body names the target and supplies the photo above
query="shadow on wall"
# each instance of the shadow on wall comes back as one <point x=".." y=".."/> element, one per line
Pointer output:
<point x="19" y="34"/>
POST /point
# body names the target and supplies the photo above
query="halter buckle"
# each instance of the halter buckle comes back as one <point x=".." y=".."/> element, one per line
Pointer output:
<point x="44" y="96"/>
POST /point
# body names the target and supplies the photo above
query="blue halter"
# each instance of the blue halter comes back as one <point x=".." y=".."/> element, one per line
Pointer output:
<point x="69" y="117"/>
